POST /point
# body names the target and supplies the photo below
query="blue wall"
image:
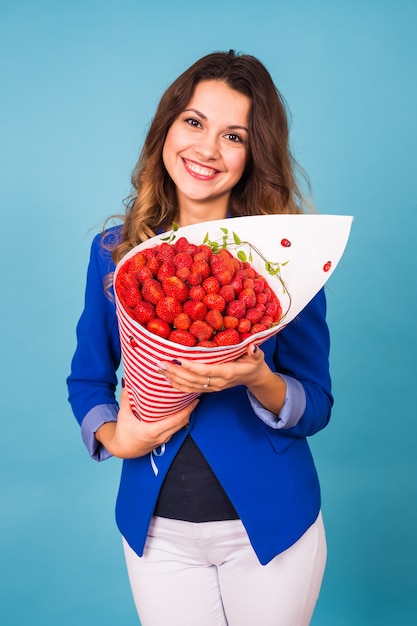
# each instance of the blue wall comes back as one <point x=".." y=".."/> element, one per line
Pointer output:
<point x="80" y="82"/>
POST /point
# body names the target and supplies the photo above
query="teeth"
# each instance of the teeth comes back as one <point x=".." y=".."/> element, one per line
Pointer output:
<point x="198" y="169"/>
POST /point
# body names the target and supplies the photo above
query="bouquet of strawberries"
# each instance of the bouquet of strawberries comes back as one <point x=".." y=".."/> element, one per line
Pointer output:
<point x="204" y="292"/>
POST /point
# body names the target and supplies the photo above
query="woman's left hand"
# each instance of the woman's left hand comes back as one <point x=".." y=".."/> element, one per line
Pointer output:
<point x="191" y="376"/>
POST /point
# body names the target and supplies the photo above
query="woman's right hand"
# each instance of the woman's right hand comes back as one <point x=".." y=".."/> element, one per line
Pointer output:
<point x="129" y="438"/>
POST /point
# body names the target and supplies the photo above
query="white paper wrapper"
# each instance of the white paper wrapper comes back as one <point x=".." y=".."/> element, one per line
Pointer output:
<point x="306" y="248"/>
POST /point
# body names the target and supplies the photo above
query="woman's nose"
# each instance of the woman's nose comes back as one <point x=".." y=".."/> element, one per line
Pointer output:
<point x="207" y="146"/>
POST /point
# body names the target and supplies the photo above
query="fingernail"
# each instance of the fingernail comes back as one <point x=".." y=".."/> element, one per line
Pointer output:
<point x="123" y="383"/>
<point x="176" y="362"/>
<point x="255" y="349"/>
<point x="161" y="366"/>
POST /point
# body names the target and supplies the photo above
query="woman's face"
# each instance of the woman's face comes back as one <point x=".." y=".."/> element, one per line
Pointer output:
<point x="206" y="150"/>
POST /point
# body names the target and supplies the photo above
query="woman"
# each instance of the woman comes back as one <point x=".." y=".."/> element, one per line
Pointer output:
<point x="228" y="529"/>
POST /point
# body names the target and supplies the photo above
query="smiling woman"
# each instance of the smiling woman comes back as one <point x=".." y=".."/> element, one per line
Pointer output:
<point x="236" y="496"/>
<point x="206" y="151"/>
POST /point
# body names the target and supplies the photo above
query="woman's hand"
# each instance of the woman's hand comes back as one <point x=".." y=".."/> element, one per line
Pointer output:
<point x="191" y="376"/>
<point x="130" y="438"/>
<point x="250" y="370"/>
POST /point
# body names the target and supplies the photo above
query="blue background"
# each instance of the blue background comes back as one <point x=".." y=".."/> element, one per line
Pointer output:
<point x="79" y="84"/>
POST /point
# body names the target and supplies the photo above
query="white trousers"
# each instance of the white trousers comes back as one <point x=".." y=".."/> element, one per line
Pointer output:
<point x="207" y="574"/>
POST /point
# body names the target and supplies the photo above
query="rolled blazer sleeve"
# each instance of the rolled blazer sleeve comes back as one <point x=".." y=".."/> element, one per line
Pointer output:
<point x="92" y="381"/>
<point x="303" y="353"/>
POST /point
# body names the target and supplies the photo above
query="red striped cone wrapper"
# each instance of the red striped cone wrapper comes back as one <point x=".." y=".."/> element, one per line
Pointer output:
<point x="296" y="254"/>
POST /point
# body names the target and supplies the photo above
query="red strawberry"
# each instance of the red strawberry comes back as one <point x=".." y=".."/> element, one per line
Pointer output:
<point x="174" y="286"/>
<point x="159" y="327"/>
<point x="136" y="262"/>
<point x="143" y="274"/>
<point x="248" y="296"/>
<point x="206" y="344"/>
<point x="215" y="319"/>
<point x="167" y="308"/>
<point x="254" y="315"/>
<point x="257" y="328"/>
<point x="267" y="321"/>
<point x="249" y="271"/>
<point x="148" y="253"/>
<point x="182" y="259"/>
<point x="225" y="255"/>
<point x="261" y="298"/>
<point x="183" y="273"/>
<point x="165" y="252"/>
<point x="167" y="268"/>
<point x="248" y="283"/>
<point x="236" y="283"/>
<point x="224" y="277"/>
<point x="197" y="292"/>
<point x="201" y="267"/>
<point x="125" y="279"/>
<point x="183" y="337"/>
<point x="182" y="321"/>
<point x="258" y="284"/>
<point x="236" y="308"/>
<point x="227" y="337"/>
<point x="244" y="325"/>
<point x="152" y="291"/>
<point x="196" y="309"/>
<point x="132" y="296"/>
<point x="214" y="301"/>
<point x="203" y="252"/>
<point x="227" y="292"/>
<point x="230" y="321"/>
<point x="180" y="244"/>
<point x="237" y="264"/>
<point x="144" y="312"/>
<point x="273" y="308"/>
<point x="268" y="292"/>
<point x="153" y="264"/>
<point x="194" y="279"/>
<point x="220" y="263"/>
<point x="211" y="285"/>
<point x="201" y="330"/>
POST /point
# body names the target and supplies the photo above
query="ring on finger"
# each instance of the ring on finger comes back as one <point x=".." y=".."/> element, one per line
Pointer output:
<point x="207" y="384"/>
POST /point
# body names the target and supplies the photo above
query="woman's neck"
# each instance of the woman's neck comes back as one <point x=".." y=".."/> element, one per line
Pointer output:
<point x="201" y="213"/>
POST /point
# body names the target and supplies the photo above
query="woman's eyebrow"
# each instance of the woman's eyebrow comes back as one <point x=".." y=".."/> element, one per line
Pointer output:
<point x="204" y="117"/>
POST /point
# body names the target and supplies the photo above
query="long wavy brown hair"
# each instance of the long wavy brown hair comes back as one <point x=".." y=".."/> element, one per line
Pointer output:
<point x="269" y="183"/>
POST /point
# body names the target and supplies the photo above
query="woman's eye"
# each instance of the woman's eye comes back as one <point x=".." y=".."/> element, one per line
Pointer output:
<point x="235" y="138"/>
<point x="193" y="122"/>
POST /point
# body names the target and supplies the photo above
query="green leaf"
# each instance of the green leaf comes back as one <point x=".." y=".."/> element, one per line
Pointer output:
<point x="237" y="239"/>
<point x="225" y="231"/>
<point x="174" y="226"/>
<point x="242" y="256"/>
<point x="206" y="238"/>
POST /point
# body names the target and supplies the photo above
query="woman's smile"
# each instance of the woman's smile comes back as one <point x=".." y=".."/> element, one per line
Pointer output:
<point x="199" y="171"/>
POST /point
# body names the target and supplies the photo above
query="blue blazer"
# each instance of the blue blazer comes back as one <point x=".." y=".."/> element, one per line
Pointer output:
<point x="268" y="474"/>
